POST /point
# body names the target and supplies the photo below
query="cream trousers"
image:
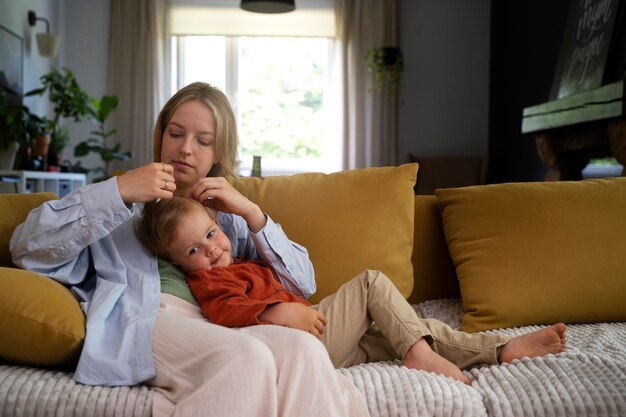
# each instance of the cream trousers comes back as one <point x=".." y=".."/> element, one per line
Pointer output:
<point x="208" y="370"/>
<point x="372" y="297"/>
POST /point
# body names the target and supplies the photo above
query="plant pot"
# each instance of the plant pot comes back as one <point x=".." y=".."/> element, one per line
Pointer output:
<point x="390" y="55"/>
<point x="7" y="158"/>
<point x="42" y="143"/>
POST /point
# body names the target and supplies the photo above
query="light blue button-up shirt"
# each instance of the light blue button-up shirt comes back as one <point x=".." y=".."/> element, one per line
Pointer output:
<point x="87" y="241"/>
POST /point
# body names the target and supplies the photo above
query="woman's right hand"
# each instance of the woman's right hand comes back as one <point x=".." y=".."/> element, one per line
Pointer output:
<point x="149" y="182"/>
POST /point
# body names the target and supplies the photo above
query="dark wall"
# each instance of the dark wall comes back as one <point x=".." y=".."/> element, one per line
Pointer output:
<point x="525" y="41"/>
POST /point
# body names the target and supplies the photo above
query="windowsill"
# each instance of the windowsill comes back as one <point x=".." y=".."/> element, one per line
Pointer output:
<point x="602" y="171"/>
<point x="282" y="166"/>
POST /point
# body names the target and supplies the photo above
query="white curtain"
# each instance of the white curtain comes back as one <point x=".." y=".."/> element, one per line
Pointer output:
<point x="370" y="115"/>
<point x="137" y="73"/>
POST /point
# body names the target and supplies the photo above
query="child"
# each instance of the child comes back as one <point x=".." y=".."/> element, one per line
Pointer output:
<point x="236" y="294"/>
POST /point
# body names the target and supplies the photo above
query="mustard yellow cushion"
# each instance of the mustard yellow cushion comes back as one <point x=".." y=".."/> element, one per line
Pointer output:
<point x="41" y="322"/>
<point x="349" y="221"/>
<point x="538" y="253"/>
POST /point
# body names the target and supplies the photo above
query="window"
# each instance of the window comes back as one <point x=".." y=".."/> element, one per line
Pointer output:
<point x="280" y="89"/>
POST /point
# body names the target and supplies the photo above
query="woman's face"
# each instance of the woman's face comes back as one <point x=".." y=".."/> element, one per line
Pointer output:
<point x="189" y="144"/>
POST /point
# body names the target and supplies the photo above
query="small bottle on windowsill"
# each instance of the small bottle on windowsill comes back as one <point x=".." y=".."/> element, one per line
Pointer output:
<point x="256" y="166"/>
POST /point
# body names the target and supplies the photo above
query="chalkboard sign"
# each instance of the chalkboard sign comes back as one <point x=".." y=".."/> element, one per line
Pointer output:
<point x="585" y="46"/>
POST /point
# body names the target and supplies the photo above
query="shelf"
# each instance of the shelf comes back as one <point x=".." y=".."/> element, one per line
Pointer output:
<point x="606" y="102"/>
<point x="59" y="183"/>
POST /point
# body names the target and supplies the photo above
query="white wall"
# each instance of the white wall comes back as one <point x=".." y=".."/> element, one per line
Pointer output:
<point x="86" y="54"/>
<point x="83" y="26"/>
<point x="13" y="15"/>
<point x="445" y="93"/>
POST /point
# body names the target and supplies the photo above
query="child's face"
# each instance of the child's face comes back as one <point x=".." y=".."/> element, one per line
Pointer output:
<point x="199" y="243"/>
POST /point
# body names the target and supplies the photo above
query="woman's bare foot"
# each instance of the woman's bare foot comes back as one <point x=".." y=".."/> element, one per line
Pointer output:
<point x="539" y="343"/>
<point x="420" y="356"/>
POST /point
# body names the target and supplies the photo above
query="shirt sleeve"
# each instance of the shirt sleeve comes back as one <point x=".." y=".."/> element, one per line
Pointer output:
<point x="54" y="238"/>
<point x="289" y="261"/>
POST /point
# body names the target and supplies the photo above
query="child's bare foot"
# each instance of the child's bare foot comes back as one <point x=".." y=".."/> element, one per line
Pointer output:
<point x="539" y="343"/>
<point x="420" y="356"/>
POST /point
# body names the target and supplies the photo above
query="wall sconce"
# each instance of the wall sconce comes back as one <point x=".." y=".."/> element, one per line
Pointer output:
<point x="47" y="43"/>
<point x="268" y="6"/>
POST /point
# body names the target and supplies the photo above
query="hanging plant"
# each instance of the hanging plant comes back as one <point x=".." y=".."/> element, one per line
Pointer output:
<point x="387" y="63"/>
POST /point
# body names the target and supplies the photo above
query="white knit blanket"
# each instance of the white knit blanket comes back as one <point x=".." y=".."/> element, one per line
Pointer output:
<point x="588" y="379"/>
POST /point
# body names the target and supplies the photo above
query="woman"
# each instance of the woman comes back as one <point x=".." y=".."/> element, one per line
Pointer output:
<point x="137" y="334"/>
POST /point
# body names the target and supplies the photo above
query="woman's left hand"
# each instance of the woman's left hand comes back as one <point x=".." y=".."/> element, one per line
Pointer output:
<point x="217" y="193"/>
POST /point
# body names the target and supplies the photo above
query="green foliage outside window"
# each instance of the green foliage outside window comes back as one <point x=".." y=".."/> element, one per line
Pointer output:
<point x="282" y="117"/>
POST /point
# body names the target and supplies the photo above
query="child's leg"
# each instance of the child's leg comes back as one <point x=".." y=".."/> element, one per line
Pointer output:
<point x="466" y="349"/>
<point x="350" y="311"/>
<point x="403" y="327"/>
<point x="461" y="348"/>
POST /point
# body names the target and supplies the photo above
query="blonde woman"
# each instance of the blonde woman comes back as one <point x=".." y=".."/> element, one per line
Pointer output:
<point x="142" y="328"/>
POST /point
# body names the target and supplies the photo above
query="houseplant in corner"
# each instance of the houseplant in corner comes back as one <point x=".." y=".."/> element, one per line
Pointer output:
<point x="18" y="127"/>
<point x="387" y="63"/>
<point x="69" y="101"/>
<point x="98" y="113"/>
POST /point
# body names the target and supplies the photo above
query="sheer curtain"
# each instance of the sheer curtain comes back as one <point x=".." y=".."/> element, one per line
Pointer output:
<point x="137" y="73"/>
<point x="370" y="115"/>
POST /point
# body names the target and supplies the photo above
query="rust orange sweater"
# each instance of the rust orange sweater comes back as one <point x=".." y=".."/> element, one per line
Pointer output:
<point x="236" y="295"/>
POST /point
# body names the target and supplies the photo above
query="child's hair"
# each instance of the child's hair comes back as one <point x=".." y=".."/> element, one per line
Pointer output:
<point x="160" y="221"/>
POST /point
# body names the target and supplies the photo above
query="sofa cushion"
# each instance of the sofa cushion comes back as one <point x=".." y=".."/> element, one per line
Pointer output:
<point x="349" y="221"/>
<point x="538" y="253"/>
<point x="41" y="322"/>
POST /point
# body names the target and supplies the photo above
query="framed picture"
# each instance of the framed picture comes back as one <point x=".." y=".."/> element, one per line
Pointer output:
<point x="585" y="46"/>
<point x="11" y="63"/>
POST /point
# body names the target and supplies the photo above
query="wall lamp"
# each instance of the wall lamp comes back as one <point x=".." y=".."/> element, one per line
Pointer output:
<point x="48" y="43"/>
<point x="268" y="6"/>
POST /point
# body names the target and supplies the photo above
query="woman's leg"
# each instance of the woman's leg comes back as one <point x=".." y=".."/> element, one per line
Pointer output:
<point x="308" y="384"/>
<point x="209" y="370"/>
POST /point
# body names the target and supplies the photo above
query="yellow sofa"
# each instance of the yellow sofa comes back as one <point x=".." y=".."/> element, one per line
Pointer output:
<point x="349" y="221"/>
<point x="506" y="255"/>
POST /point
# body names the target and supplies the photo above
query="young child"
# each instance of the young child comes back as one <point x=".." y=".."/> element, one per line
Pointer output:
<point x="233" y="293"/>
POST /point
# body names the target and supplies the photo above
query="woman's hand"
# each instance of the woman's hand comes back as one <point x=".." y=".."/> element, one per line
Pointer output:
<point x="219" y="194"/>
<point x="147" y="183"/>
<point x="296" y="316"/>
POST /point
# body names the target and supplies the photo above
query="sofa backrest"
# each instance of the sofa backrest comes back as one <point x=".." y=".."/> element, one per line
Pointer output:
<point x="434" y="275"/>
<point x="13" y="210"/>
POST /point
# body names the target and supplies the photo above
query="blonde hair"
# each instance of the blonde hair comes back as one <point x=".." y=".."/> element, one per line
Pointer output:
<point x="160" y="221"/>
<point x="226" y="126"/>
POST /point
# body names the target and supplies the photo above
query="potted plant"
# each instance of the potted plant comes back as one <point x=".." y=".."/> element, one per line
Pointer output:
<point x="69" y="101"/>
<point x="18" y="126"/>
<point x="98" y="113"/>
<point x="387" y="63"/>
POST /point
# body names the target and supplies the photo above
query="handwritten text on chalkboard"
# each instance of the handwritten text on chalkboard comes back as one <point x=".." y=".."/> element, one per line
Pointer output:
<point x="585" y="46"/>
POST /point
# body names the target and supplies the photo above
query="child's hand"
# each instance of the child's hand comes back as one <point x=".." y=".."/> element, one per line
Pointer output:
<point x="297" y="316"/>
